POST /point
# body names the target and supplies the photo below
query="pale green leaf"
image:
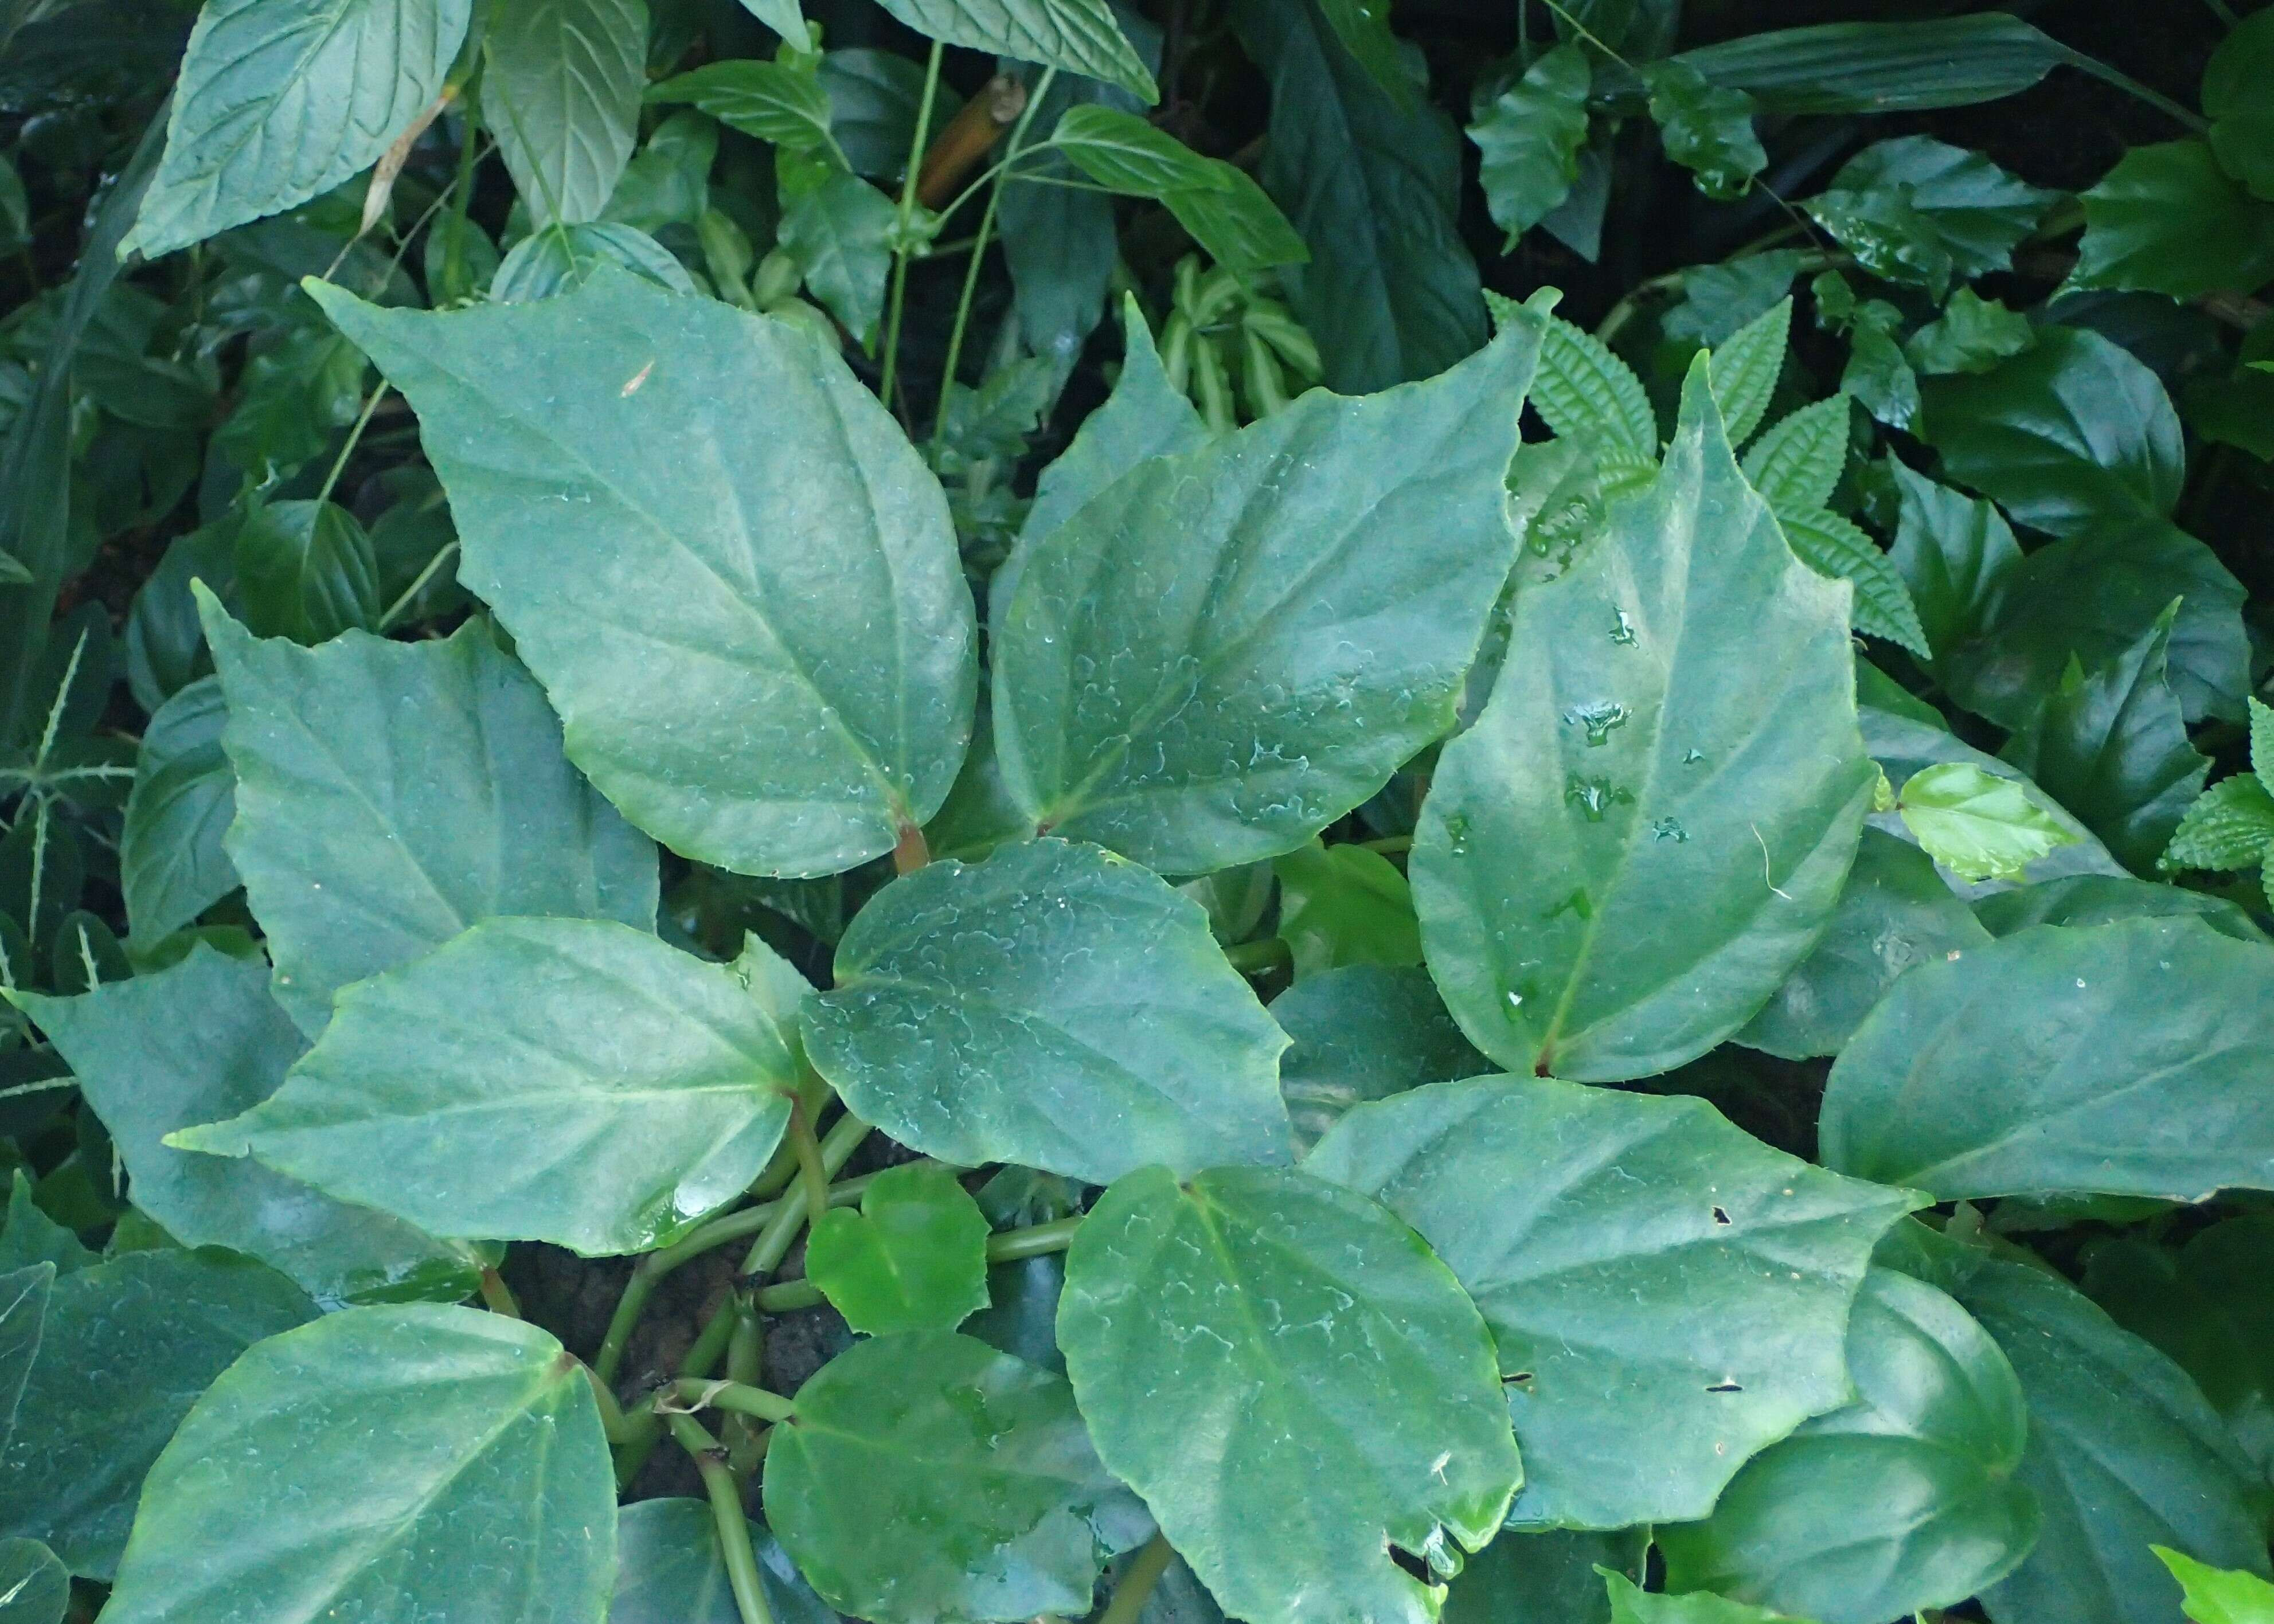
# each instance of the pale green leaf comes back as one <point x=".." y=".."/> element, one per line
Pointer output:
<point x="1630" y="1605"/>
<point x="1584" y="393"/>
<point x="1342" y="904"/>
<point x="2229" y="825"/>
<point x="1797" y="462"/>
<point x="1976" y="824"/>
<point x="913" y="1258"/>
<point x="2219" y="1594"/>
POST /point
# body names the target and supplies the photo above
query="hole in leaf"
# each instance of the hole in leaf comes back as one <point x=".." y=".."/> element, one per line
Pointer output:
<point x="1724" y="1387"/>
<point x="1410" y="1564"/>
<point x="1719" y="1216"/>
<point x="1520" y="1377"/>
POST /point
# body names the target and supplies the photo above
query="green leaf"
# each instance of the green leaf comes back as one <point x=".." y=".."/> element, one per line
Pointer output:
<point x="1226" y="212"/>
<point x="24" y="1296"/>
<point x="1374" y="187"/>
<point x="774" y="103"/>
<point x="2070" y="432"/>
<point x="1360" y="1032"/>
<point x="1894" y="913"/>
<point x="1797" y="462"/>
<point x="2023" y="1068"/>
<point x="171" y="863"/>
<point x="913" y="1258"/>
<point x="1053" y="1006"/>
<point x="1745" y="368"/>
<point x="2102" y="899"/>
<point x="873" y="97"/>
<point x="927" y="1476"/>
<point x="840" y="229"/>
<point x="353" y="864"/>
<point x="1079" y="36"/>
<point x="1344" y="1384"/>
<point x="1344" y="905"/>
<point x="1836" y="548"/>
<point x="1529" y="135"/>
<point x="560" y="260"/>
<point x="2217" y="1595"/>
<point x="1289" y="613"/>
<point x="1145" y="416"/>
<point x="33" y="1238"/>
<point x="1706" y="128"/>
<point x="1904" y="746"/>
<point x="1971" y="335"/>
<point x="1584" y="393"/>
<point x="1978" y="825"/>
<point x="203" y="1040"/>
<point x="669" y="1570"/>
<point x="1645" y="1350"/>
<point x="1899" y="1500"/>
<point x="1639" y="839"/>
<point x="1883" y="67"/>
<point x="1630" y="1606"/>
<point x="625" y="415"/>
<point x="279" y="102"/>
<point x="2241" y="129"/>
<point x="561" y="90"/>
<point x="2167" y="219"/>
<point x="1544" y="1576"/>
<point x="305" y="570"/>
<point x="2112" y="746"/>
<point x="129" y="1344"/>
<point x="1718" y="299"/>
<point x="1917" y="210"/>
<point x="2261" y="742"/>
<point x="1956" y="554"/>
<point x="34" y="1586"/>
<point x="475" y="1432"/>
<point x="1363" y="26"/>
<point x="2229" y="825"/>
<point x="1058" y="240"/>
<point x="566" y="1080"/>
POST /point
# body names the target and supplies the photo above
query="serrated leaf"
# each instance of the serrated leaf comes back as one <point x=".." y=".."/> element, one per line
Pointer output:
<point x="171" y="863"/>
<point x="1289" y="613"/>
<point x="477" y="1432"/>
<point x="561" y="90"/>
<point x="1976" y="824"/>
<point x="1364" y="1412"/>
<point x="1745" y="369"/>
<point x="1055" y="1007"/>
<point x="279" y="102"/>
<point x="1584" y="393"/>
<point x="2023" y="1068"/>
<point x="565" y="1080"/>
<point x="2229" y="825"/>
<point x="1227" y="213"/>
<point x="1834" y="547"/>
<point x="1902" y="1500"/>
<point x="758" y="564"/>
<point x="1530" y="137"/>
<point x="928" y="1477"/>
<point x="913" y="1258"/>
<point x="1080" y="36"/>
<point x="202" y="1040"/>
<point x="1638" y="838"/>
<point x="356" y="864"/>
<point x="1797" y="462"/>
<point x="1971" y="335"/>
<point x="1634" y="1398"/>
<point x="840" y="229"/>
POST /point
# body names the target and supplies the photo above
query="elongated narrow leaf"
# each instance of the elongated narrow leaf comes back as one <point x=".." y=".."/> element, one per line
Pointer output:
<point x="928" y="1477"/>
<point x="1293" y="1383"/>
<point x="1898" y="1501"/>
<point x="128" y="1345"/>
<point x="1641" y="837"/>
<point x="2025" y="1067"/>
<point x="771" y="100"/>
<point x="203" y="1040"/>
<point x="1080" y="36"/>
<point x="390" y="795"/>
<point x="1587" y="394"/>
<point x="1667" y="1294"/>
<point x="280" y="100"/>
<point x="1745" y="368"/>
<point x="472" y="1431"/>
<point x="1052" y="1006"/>
<point x="561" y="90"/>
<point x="1288" y="614"/>
<point x="1882" y="67"/>
<point x="702" y="603"/>
<point x="564" y="1080"/>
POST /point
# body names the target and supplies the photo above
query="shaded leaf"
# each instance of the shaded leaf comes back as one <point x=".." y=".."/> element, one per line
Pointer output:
<point x="1530" y="137"/>
<point x="1360" y="1032"/>
<point x="171" y="863"/>
<point x="1080" y="36"/>
<point x="669" y="1570"/>
<point x="561" y="91"/>
<point x="2167" y="219"/>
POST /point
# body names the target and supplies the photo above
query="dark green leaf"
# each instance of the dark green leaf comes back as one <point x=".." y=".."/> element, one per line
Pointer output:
<point x="2102" y="899"/>
<point x="771" y="100"/>
<point x="1956" y="554"/>
<point x="1706" y="128"/>
<point x="873" y="97"/>
<point x="1226" y="212"/>
<point x="1331" y="1362"/>
<point x="1630" y="1606"/>
<point x="1551" y="1576"/>
<point x="171" y="864"/>
<point x="561" y="90"/>
<point x="1058" y="240"/>
<point x="913" y="1258"/>
<point x="669" y="1570"/>
<point x="840" y="229"/>
<point x="1080" y="36"/>
<point x="1529" y="135"/>
<point x="1883" y="67"/>
<point x="2167" y="219"/>
<point x="32" y="1237"/>
<point x="305" y="570"/>
<point x="2242" y="125"/>
<point x="1362" y="1032"/>
<point x="35" y="1585"/>
<point x="1971" y="335"/>
<point x="1645" y="1348"/>
<point x="560" y="260"/>
<point x="1918" y="210"/>
<point x="1053" y="1006"/>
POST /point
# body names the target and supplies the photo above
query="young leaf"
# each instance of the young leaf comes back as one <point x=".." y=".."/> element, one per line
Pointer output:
<point x="1364" y="1032"/>
<point x="280" y="100"/>
<point x="670" y="1570"/>
<point x="476" y="1432"/>
<point x="171" y="863"/>
<point x="1364" y="1413"/>
<point x="838" y="228"/>
<point x="1639" y="839"/>
<point x="1745" y="370"/>
<point x="1706" y="128"/>
<point x="1956" y="554"/>
<point x="2219" y="1595"/>
<point x="1343" y="904"/>
<point x="1902" y="1500"/>
<point x="2231" y="825"/>
<point x="1797" y="462"/>
<point x="928" y="1477"/>
<point x="356" y="864"/>
<point x="1918" y="210"/>
<point x="2023" y="1068"/>
<point x="561" y="90"/>
<point x="2168" y="219"/>
<point x="1529" y="136"/>
<point x="1226" y="212"/>
<point x="1053" y="1006"/>
<point x="1290" y="612"/>
<point x="128" y="1345"/>
<point x="1645" y="1351"/>
<point x="1836" y="548"/>
<point x="200" y="1040"/>
<point x="676" y="585"/>
<point x="913" y="1258"/>
<point x="1978" y="825"/>
<point x="1904" y="746"/>
<point x="1079" y="36"/>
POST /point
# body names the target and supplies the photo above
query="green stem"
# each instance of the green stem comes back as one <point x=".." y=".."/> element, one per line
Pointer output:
<point x="1258" y="958"/>
<point x="1137" y="1581"/>
<point x="1389" y="844"/>
<point x="907" y="214"/>
<point x="362" y="421"/>
<point x="979" y="247"/>
<point x="812" y="1174"/>
<point x="453" y="252"/>
<point x="497" y="1296"/>
<point x="739" y="1397"/>
<point x="1034" y="1241"/>
<point x="2107" y="75"/>
<point x="725" y="1512"/>
<point x="788" y="1296"/>
<point x="410" y="595"/>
